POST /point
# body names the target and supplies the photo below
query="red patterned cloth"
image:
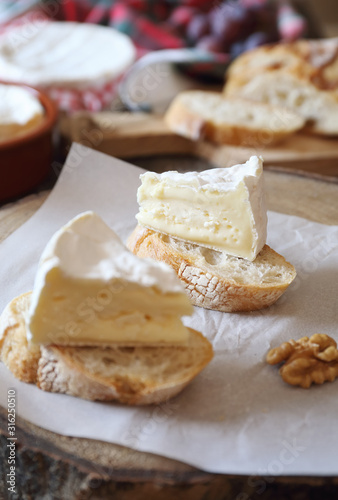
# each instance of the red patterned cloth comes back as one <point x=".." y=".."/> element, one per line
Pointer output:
<point x="91" y="99"/>
<point x="161" y="24"/>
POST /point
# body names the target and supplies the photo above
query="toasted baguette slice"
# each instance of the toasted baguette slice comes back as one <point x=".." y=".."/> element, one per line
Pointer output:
<point x="300" y="75"/>
<point x="216" y="280"/>
<point x="312" y="61"/>
<point x="319" y="108"/>
<point x="21" y="358"/>
<point x="131" y="375"/>
<point x="210" y="115"/>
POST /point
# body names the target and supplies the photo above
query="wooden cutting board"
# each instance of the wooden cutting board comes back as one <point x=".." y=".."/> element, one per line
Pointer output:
<point x="125" y="135"/>
<point x="50" y="466"/>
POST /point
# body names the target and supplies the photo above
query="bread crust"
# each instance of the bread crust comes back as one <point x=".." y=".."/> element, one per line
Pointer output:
<point x="313" y="61"/>
<point x="204" y="284"/>
<point x="20" y="357"/>
<point x="69" y="370"/>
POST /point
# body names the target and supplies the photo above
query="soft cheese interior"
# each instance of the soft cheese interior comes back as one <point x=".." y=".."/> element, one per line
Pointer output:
<point x="220" y="208"/>
<point x="90" y="290"/>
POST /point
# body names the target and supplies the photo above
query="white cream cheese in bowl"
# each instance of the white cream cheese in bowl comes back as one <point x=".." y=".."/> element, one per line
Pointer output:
<point x="20" y="112"/>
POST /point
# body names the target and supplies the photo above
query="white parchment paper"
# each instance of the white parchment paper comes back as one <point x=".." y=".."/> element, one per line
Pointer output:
<point x="238" y="416"/>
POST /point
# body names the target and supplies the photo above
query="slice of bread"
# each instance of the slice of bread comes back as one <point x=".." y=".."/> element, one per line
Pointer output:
<point x="216" y="280"/>
<point x="20" y="357"/>
<point x="207" y="115"/>
<point x="302" y="76"/>
<point x="318" y="108"/>
<point x="131" y="375"/>
<point x="313" y="61"/>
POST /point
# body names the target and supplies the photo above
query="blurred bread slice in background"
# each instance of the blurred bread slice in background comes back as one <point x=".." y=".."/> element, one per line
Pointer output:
<point x="204" y="115"/>
<point x="301" y="76"/>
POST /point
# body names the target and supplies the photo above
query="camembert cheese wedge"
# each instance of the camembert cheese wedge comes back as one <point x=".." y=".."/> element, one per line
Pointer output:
<point x="90" y="290"/>
<point x="220" y="208"/>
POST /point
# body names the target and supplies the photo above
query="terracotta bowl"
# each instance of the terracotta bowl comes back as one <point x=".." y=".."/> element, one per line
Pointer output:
<point x="25" y="160"/>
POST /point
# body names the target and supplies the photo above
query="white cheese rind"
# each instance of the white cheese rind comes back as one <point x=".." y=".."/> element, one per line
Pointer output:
<point x="66" y="54"/>
<point x="221" y="208"/>
<point x="90" y="290"/>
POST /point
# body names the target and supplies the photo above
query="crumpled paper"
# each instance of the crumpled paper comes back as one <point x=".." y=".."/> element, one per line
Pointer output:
<point x="238" y="416"/>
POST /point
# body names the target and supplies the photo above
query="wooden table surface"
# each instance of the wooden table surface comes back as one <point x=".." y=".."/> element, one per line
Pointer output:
<point x="50" y="466"/>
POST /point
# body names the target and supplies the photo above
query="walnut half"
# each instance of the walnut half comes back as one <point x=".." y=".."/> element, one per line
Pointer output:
<point x="307" y="360"/>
